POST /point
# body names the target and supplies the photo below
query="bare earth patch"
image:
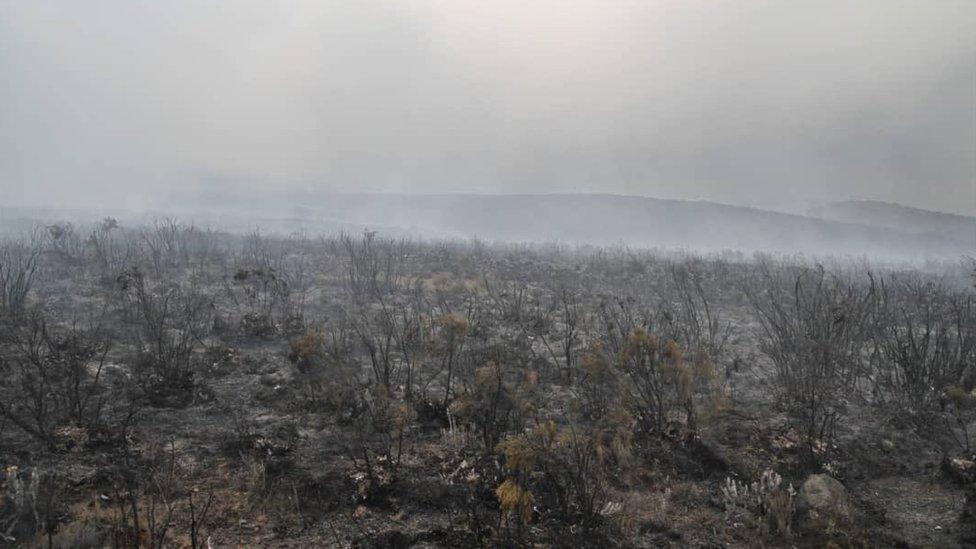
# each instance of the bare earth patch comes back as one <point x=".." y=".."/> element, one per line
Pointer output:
<point x="922" y="513"/>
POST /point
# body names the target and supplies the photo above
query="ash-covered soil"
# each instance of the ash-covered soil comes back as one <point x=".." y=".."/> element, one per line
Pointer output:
<point x="168" y="386"/>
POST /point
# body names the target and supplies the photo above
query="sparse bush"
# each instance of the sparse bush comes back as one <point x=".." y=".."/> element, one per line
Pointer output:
<point x="52" y="382"/>
<point x="493" y="405"/>
<point x="111" y="252"/>
<point x="255" y="325"/>
<point x="564" y="469"/>
<point x="600" y="383"/>
<point x="958" y="407"/>
<point x="168" y="243"/>
<point x="151" y="502"/>
<point x="764" y="504"/>
<point x="662" y="380"/>
<point x="515" y="501"/>
<point x="31" y="506"/>
<point x="218" y="360"/>
<point x="689" y="316"/>
<point x="327" y="376"/>
<point x="814" y="330"/>
<point x="925" y="335"/>
<point x="374" y="264"/>
<point x="376" y="328"/>
<point x="451" y="331"/>
<point x="18" y="264"/>
<point x="63" y="242"/>
<point x="171" y="321"/>
<point x="261" y="290"/>
<point x="382" y="438"/>
<point x="563" y="322"/>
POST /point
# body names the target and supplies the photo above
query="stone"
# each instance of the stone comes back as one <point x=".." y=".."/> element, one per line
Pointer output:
<point x="823" y="504"/>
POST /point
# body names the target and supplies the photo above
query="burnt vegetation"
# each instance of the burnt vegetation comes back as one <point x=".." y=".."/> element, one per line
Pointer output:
<point x="170" y="385"/>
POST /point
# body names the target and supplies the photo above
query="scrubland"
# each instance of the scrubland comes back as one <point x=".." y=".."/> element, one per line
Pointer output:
<point x="173" y="386"/>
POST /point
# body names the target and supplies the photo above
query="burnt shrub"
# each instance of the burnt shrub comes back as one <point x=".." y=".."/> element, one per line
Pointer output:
<point x="564" y="471"/>
<point x="662" y="381"/>
<point x="925" y="336"/>
<point x="257" y="325"/>
<point x="18" y="265"/>
<point x="495" y="403"/>
<point x="171" y="321"/>
<point x="814" y="327"/>
<point x="32" y="505"/>
<point x="326" y="377"/>
<point x="381" y="441"/>
<point x="52" y="382"/>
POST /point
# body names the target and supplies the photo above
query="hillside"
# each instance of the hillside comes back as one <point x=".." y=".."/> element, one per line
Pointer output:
<point x="902" y="218"/>
<point x="597" y="219"/>
<point x="883" y="231"/>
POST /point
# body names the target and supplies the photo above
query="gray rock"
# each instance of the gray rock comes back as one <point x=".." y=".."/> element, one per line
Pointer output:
<point x="823" y="504"/>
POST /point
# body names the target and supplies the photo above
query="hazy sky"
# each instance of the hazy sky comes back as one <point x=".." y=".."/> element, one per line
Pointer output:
<point x="774" y="103"/>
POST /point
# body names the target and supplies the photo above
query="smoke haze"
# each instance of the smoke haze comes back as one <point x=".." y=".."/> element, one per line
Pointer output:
<point x="771" y="104"/>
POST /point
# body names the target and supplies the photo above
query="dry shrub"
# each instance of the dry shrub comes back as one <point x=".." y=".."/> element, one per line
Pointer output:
<point x="258" y="326"/>
<point x="637" y="510"/>
<point x="661" y="380"/>
<point x="51" y="383"/>
<point x="599" y="383"/>
<point x="566" y="469"/>
<point x="172" y="319"/>
<point x="18" y="264"/>
<point x="958" y="406"/>
<point x="493" y="405"/>
<point x="515" y="501"/>
<point x="327" y="376"/>
<point x="451" y="332"/>
<point x="814" y="327"/>
<point x="764" y="504"/>
<point x="925" y="336"/>
<point x="381" y="441"/>
<point x="31" y="504"/>
<point x="308" y="351"/>
<point x="262" y="290"/>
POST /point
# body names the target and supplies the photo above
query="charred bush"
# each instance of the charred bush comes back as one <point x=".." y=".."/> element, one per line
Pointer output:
<point x="925" y="335"/>
<point x="814" y="328"/>
<point x="53" y="385"/>
<point x="496" y="402"/>
<point x="171" y="321"/>
<point x="327" y="377"/>
<point x="18" y="265"/>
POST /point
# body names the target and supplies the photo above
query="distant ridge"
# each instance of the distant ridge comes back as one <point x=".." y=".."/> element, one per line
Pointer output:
<point x="902" y="218"/>
<point x="854" y="228"/>
<point x="607" y="219"/>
